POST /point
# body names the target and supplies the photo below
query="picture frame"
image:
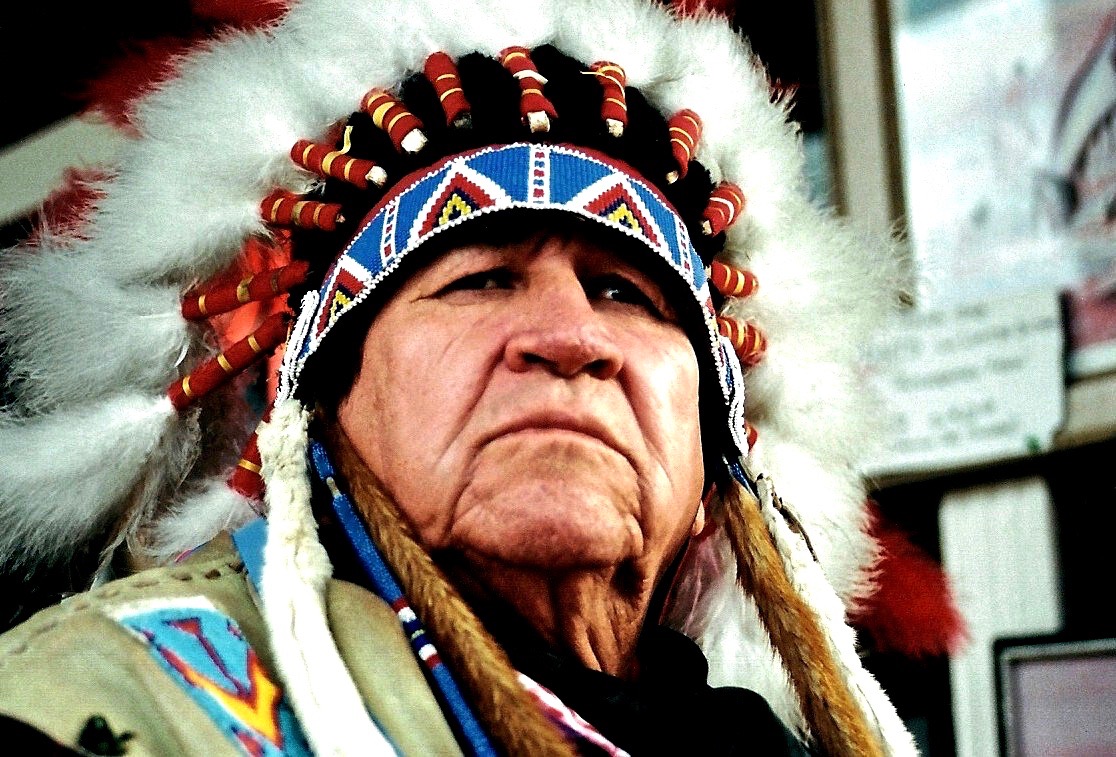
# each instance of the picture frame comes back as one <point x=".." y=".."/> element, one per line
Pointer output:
<point x="1007" y="155"/>
<point x="1056" y="695"/>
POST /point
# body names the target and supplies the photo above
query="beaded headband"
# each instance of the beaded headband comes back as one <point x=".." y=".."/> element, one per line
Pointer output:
<point x="490" y="180"/>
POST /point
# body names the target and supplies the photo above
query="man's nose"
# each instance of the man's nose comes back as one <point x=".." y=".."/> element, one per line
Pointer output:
<point x="558" y="330"/>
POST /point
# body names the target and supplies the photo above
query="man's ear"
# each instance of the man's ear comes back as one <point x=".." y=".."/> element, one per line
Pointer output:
<point x="699" y="517"/>
<point x="699" y="520"/>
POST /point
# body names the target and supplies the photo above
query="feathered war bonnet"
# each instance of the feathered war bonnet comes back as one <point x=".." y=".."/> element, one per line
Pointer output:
<point x="132" y="421"/>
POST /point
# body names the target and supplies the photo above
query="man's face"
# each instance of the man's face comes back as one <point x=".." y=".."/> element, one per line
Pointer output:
<point x="534" y="404"/>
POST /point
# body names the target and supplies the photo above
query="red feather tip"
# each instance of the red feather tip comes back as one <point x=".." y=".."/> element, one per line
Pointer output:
<point x="133" y="74"/>
<point x="912" y="612"/>
<point x="66" y="208"/>
<point x="144" y="64"/>
<point x="246" y="14"/>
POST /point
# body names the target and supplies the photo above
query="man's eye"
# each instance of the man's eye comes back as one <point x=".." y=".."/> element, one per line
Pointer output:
<point x="496" y="278"/>
<point x="616" y="288"/>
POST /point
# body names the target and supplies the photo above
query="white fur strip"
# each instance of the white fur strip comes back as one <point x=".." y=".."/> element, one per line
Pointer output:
<point x="296" y="569"/>
<point x="66" y="475"/>
<point x="810" y="583"/>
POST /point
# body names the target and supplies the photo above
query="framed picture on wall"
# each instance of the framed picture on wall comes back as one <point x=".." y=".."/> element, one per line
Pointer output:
<point x="1008" y="145"/>
<point x="1056" y="696"/>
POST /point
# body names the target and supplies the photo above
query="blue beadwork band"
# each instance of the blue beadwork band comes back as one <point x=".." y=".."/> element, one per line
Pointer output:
<point x="496" y="178"/>
<point x="384" y="583"/>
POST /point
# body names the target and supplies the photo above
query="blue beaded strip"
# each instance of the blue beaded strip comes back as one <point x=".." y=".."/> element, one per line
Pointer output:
<point x="742" y="476"/>
<point x="387" y="588"/>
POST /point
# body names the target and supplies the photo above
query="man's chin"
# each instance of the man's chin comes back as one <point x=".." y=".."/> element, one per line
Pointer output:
<point x="545" y="532"/>
<point x="555" y="503"/>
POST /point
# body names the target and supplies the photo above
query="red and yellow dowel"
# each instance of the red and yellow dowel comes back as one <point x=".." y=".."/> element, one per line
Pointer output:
<point x="217" y="370"/>
<point x="388" y="113"/>
<point x="260" y="286"/>
<point x="685" y="131"/>
<point x="288" y="209"/>
<point x="326" y="161"/>
<point x="614" y="104"/>
<point x="726" y="203"/>
<point x="748" y="342"/>
<point x="534" y="106"/>
<point x="442" y="73"/>
<point x="732" y="281"/>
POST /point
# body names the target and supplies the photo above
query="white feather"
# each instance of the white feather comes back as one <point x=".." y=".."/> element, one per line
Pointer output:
<point x="195" y="520"/>
<point x="72" y="335"/>
<point x="67" y="475"/>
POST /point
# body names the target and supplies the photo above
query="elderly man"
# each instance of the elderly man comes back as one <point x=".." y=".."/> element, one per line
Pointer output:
<point x="504" y="467"/>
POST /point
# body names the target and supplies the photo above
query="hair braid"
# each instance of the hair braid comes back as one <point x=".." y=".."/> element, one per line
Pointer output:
<point x="835" y="720"/>
<point x="507" y="711"/>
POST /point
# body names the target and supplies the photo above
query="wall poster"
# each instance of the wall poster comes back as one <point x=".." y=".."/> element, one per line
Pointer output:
<point x="1009" y="149"/>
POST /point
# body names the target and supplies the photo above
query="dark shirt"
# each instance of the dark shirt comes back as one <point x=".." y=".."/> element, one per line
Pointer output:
<point x="671" y="709"/>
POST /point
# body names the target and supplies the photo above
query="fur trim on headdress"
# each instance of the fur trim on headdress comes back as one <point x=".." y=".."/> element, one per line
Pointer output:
<point x="804" y="572"/>
<point x="709" y="606"/>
